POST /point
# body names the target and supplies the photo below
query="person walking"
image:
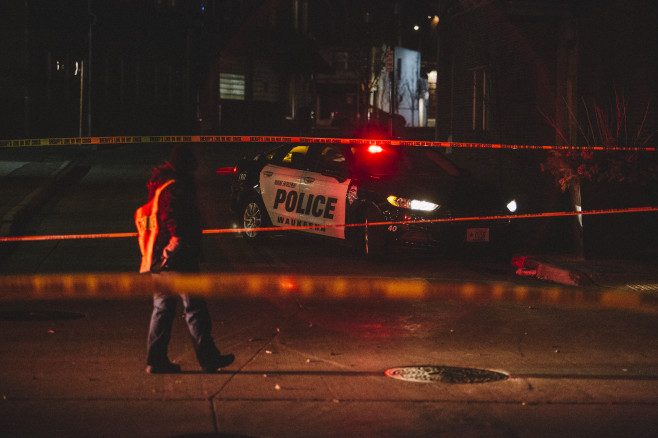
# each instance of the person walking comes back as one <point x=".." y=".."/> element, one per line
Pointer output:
<point x="177" y="249"/>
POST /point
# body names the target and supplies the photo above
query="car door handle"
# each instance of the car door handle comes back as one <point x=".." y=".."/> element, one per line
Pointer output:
<point x="308" y="179"/>
<point x="268" y="173"/>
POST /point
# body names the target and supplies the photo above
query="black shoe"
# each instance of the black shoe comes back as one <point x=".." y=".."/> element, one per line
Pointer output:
<point x="220" y="362"/>
<point x="165" y="368"/>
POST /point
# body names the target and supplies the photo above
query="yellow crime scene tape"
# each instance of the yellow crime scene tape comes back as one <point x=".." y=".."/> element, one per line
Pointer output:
<point x="87" y="141"/>
<point x="114" y="286"/>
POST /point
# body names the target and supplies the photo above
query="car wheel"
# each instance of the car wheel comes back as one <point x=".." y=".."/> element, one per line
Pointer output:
<point x="254" y="217"/>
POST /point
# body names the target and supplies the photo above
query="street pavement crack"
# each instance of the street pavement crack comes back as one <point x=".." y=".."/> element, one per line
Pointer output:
<point x="253" y="356"/>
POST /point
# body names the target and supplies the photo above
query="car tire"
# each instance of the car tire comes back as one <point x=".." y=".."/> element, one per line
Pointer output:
<point x="254" y="216"/>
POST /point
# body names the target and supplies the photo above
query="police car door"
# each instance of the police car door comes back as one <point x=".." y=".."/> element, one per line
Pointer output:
<point x="280" y="188"/>
<point x="325" y="187"/>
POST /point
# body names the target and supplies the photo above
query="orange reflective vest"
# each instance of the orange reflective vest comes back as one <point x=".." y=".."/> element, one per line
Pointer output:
<point x="146" y="220"/>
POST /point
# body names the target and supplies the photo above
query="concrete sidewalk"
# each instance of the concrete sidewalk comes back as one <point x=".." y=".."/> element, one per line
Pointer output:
<point x="633" y="274"/>
<point x="308" y="368"/>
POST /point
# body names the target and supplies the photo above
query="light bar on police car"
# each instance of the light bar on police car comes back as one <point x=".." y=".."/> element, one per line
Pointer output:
<point x="412" y="204"/>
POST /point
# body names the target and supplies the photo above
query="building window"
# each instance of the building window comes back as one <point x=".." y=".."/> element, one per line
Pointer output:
<point x="480" y="99"/>
<point x="231" y="86"/>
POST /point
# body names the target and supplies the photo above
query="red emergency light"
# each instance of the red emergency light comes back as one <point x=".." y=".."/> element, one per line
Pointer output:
<point x="226" y="170"/>
<point x="375" y="149"/>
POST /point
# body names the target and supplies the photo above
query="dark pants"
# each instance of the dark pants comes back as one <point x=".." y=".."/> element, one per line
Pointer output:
<point x="198" y="324"/>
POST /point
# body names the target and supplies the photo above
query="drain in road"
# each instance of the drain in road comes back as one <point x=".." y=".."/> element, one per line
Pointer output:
<point x="38" y="315"/>
<point x="434" y="374"/>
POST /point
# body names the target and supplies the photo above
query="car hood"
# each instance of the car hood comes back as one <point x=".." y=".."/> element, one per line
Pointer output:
<point x="456" y="195"/>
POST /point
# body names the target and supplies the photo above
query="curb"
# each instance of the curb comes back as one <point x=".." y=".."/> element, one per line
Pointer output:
<point x="11" y="218"/>
<point x="529" y="266"/>
<point x="633" y="274"/>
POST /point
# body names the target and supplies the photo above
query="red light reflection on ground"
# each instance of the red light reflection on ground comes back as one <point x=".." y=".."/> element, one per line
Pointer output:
<point x="289" y="284"/>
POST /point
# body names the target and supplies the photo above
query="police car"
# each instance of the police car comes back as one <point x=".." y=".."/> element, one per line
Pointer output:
<point x="371" y="196"/>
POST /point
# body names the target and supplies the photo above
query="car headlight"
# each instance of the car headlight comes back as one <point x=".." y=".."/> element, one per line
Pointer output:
<point x="511" y="206"/>
<point x="412" y="204"/>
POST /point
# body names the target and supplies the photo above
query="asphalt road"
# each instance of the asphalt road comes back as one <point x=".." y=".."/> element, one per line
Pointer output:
<point x="307" y="367"/>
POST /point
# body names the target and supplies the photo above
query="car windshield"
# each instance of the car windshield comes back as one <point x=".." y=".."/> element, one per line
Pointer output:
<point x="402" y="160"/>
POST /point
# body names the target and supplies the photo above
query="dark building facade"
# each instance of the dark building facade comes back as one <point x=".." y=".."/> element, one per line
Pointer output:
<point x="507" y="71"/>
<point x="97" y="67"/>
<point x="528" y="72"/>
<point x="141" y="67"/>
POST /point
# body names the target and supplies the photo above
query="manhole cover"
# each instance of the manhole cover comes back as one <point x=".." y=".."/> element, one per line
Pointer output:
<point x="445" y="374"/>
<point x="38" y="315"/>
